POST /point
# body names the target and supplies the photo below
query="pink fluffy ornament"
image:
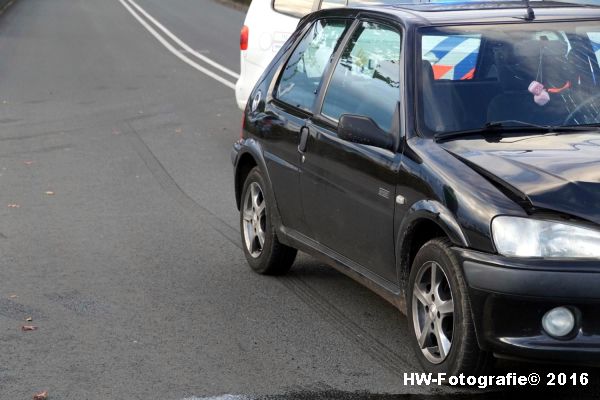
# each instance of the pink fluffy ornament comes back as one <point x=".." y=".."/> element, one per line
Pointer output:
<point x="540" y="95"/>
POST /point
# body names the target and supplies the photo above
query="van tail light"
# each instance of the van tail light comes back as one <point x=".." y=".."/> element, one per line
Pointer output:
<point x="244" y="38"/>
<point x="243" y="125"/>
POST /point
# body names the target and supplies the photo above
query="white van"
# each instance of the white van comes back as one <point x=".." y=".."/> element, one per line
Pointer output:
<point x="268" y="24"/>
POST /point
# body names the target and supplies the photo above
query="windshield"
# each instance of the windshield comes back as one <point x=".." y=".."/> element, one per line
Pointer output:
<point x="545" y="74"/>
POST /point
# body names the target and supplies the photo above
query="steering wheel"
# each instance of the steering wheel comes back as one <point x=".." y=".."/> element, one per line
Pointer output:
<point x="577" y="109"/>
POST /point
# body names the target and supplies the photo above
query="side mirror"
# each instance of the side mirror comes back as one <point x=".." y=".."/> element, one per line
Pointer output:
<point x="363" y="130"/>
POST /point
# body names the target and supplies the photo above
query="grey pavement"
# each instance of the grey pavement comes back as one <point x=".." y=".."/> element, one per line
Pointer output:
<point x="118" y="227"/>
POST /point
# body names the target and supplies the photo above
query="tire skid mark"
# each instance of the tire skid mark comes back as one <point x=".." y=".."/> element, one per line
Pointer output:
<point x="169" y="185"/>
<point x="315" y="301"/>
<point x="377" y="350"/>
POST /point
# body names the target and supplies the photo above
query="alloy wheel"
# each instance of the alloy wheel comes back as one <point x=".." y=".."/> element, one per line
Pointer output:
<point x="254" y="220"/>
<point x="433" y="312"/>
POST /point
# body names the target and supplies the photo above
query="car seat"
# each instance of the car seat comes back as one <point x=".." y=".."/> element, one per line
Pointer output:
<point x="442" y="108"/>
<point x="518" y="66"/>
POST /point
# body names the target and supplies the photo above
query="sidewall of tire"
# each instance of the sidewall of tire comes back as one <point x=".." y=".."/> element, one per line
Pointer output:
<point x="464" y="349"/>
<point x="275" y="258"/>
<point x="258" y="264"/>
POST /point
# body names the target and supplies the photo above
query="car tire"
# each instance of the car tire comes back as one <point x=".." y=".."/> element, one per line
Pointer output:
<point x="263" y="251"/>
<point x="439" y="312"/>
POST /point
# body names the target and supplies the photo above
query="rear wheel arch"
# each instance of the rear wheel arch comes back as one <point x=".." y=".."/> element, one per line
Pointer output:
<point x="250" y="158"/>
<point x="243" y="168"/>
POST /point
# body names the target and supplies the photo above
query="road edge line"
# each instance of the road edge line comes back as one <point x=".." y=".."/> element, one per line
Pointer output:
<point x="181" y="43"/>
<point x="174" y="51"/>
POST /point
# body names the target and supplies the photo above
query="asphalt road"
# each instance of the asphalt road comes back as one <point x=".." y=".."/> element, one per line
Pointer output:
<point x="118" y="227"/>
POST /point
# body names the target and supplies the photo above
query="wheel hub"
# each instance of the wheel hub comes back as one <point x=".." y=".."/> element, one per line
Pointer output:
<point x="253" y="219"/>
<point x="433" y="312"/>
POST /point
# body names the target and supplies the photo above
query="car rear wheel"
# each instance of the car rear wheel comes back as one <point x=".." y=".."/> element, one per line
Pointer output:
<point x="439" y="314"/>
<point x="264" y="253"/>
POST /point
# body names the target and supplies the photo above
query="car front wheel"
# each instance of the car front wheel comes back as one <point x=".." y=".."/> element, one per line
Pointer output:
<point x="263" y="251"/>
<point x="439" y="314"/>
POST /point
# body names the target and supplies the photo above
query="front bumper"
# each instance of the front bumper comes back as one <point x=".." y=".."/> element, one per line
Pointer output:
<point x="509" y="298"/>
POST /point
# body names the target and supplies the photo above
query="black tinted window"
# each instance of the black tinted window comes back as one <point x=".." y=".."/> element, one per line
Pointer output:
<point x="301" y="76"/>
<point x="366" y="80"/>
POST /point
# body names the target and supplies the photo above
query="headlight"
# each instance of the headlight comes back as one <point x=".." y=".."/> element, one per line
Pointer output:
<point x="525" y="237"/>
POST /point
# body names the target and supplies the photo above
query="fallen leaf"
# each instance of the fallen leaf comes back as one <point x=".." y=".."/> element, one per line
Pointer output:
<point x="178" y="130"/>
<point x="41" y="395"/>
<point x="27" y="328"/>
<point x="28" y="162"/>
<point x="50" y="193"/>
<point x="14" y="205"/>
<point x="116" y="132"/>
<point x="13" y="296"/>
<point x="28" y="319"/>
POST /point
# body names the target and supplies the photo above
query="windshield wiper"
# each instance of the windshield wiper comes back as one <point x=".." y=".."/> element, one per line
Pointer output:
<point x="498" y="127"/>
<point x="495" y="127"/>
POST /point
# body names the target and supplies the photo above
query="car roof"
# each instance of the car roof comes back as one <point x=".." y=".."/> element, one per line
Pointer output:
<point x="464" y="12"/>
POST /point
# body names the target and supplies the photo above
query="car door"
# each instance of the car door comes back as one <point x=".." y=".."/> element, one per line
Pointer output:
<point x="348" y="189"/>
<point x="288" y="109"/>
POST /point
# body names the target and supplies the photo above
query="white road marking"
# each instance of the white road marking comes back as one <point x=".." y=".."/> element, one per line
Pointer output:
<point x="181" y="43"/>
<point x="176" y="52"/>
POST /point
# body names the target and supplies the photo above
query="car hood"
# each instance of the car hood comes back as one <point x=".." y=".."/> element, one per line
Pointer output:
<point x="554" y="172"/>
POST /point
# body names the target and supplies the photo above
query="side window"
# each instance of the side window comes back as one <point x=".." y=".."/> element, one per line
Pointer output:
<point x="297" y="8"/>
<point x="302" y="74"/>
<point x="369" y="70"/>
<point x="451" y="57"/>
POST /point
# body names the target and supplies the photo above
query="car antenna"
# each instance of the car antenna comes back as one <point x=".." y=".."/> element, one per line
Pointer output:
<point x="530" y="14"/>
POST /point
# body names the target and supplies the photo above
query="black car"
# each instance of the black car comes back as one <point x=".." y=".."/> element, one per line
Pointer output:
<point x="447" y="156"/>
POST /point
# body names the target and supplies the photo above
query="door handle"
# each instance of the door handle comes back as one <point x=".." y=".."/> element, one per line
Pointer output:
<point x="303" y="139"/>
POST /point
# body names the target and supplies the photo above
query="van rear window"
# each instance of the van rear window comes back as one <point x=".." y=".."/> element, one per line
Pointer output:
<point x="296" y="8"/>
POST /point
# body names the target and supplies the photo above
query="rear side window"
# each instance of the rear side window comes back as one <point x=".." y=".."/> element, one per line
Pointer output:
<point x="302" y="74"/>
<point x="297" y="8"/>
<point x="366" y="80"/>
<point x="452" y="57"/>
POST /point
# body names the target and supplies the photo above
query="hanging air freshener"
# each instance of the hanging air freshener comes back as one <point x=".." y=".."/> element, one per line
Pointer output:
<point x="540" y="94"/>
